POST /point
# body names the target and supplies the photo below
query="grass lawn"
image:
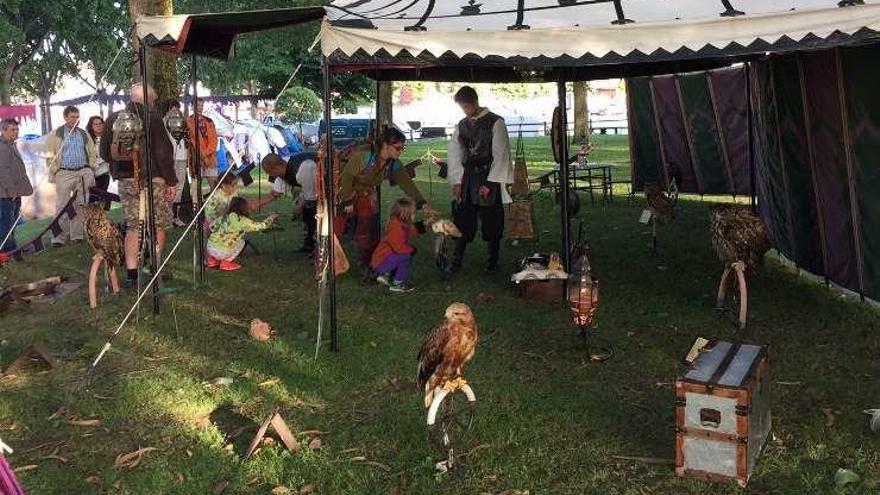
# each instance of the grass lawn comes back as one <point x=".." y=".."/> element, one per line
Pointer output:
<point x="547" y="421"/>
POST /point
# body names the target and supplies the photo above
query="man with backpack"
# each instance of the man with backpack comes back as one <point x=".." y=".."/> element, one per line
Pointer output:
<point x="132" y="179"/>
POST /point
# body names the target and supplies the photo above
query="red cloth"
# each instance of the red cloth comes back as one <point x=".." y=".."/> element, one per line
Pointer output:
<point x="396" y="240"/>
<point x="365" y="237"/>
<point x="18" y="112"/>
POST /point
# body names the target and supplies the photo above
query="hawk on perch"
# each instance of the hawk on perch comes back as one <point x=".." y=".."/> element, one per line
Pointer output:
<point x="446" y="349"/>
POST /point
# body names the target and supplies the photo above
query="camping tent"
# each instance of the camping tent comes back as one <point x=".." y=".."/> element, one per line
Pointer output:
<point x="548" y="40"/>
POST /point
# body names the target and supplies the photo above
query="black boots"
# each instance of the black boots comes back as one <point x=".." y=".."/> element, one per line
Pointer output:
<point x="458" y="256"/>
<point x="494" y="251"/>
<point x="491" y="263"/>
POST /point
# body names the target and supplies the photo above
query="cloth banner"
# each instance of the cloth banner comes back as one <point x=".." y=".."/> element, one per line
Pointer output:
<point x="36" y="245"/>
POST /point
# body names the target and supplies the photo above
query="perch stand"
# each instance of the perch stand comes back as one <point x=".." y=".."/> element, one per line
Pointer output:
<point x="739" y="267"/>
<point x="451" y="424"/>
<point x="93" y="279"/>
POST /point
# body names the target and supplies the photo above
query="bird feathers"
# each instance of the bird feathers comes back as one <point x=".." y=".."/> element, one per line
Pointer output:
<point x="446" y="349"/>
<point x="103" y="235"/>
<point x="738" y="235"/>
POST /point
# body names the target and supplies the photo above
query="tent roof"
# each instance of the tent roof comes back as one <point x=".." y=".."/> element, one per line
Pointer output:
<point x="584" y="39"/>
<point x="514" y="40"/>
<point x="213" y="35"/>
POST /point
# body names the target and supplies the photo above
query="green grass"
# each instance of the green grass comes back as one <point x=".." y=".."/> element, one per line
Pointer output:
<point x="547" y="421"/>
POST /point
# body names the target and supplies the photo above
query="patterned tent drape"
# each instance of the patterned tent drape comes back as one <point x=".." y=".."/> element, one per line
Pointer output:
<point x="699" y="123"/>
<point x="816" y="130"/>
<point x="818" y="127"/>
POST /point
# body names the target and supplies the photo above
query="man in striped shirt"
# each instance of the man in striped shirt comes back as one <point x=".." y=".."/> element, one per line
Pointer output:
<point x="71" y="166"/>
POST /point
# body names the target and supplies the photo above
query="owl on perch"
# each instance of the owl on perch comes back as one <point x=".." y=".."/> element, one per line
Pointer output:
<point x="740" y="240"/>
<point x="446" y="349"/>
<point x="105" y="239"/>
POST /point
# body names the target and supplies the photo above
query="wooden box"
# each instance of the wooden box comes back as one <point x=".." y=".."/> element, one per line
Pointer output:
<point x="550" y="290"/>
<point x="723" y="412"/>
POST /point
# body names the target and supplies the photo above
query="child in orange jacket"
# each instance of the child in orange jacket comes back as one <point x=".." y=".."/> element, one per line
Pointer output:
<point x="394" y="253"/>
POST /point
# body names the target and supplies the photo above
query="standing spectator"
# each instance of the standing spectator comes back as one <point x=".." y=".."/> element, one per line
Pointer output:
<point x="367" y="166"/>
<point x="181" y="156"/>
<point x="102" y="167"/>
<point x="14" y="182"/>
<point x="132" y="192"/>
<point x="72" y="157"/>
<point x="207" y="143"/>
<point x="479" y="172"/>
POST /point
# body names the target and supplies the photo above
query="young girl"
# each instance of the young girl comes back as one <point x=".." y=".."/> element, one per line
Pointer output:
<point x="393" y="254"/>
<point x="218" y="205"/>
<point x="227" y="235"/>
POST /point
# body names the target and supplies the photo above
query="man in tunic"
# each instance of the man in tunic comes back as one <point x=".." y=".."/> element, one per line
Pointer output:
<point x="479" y="172"/>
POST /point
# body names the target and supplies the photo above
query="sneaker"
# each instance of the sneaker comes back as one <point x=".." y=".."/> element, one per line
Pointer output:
<point x="229" y="266"/>
<point x="398" y="286"/>
<point x="384" y="279"/>
<point x="129" y="283"/>
<point x="212" y="262"/>
<point x="57" y="243"/>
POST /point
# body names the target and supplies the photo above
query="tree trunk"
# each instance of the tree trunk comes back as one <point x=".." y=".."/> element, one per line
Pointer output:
<point x="581" y="113"/>
<point x="162" y="67"/>
<point x="6" y="82"/>
<point x="384" y="111"/>
<point x="45" y="113"/>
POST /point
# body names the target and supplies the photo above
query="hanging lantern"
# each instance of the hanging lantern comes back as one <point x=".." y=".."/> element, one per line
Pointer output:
<point x="583" y="300"/>
<point x="583" y="292"/>
<point x="127" y="128"/>
<point x="175" y="124"/>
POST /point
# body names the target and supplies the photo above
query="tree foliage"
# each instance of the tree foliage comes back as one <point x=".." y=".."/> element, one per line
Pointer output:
<point x="299" y="104"/>
<point x="263" y="62"/>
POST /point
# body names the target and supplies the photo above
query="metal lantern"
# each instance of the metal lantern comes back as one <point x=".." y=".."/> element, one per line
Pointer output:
<point x="127" y="128"/>
<point x="583" y="293"/>
<point x="176" y="124"/>
<point x="583" y="299"/>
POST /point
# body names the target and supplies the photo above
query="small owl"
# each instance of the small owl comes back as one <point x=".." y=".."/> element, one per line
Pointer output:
<point x="103" y="235"/>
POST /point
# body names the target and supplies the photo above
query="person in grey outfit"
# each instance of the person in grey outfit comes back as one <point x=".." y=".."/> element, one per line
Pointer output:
<point x="14" y="183"/>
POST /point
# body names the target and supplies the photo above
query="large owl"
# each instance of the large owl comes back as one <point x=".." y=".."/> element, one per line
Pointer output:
<point x="446" y="349"/>
<point x="738" y="235"/>
<point x="103" y="236"/>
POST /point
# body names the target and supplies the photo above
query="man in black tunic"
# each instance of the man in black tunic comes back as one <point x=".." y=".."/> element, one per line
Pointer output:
<point x="479" y="173"/>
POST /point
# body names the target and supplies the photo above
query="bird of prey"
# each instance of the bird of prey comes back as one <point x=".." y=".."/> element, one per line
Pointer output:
<point x="446" y="349"/>
<point x="103" y="235"/>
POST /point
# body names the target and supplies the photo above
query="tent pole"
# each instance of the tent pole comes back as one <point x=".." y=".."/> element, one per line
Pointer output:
<point x="377" y="131"/>
<point x="331" y="202"/>
<point x="151" y="214"/>
<point x="749" y="121"/>
<point x="199" y="231"/>
<point x="563" y="172"/>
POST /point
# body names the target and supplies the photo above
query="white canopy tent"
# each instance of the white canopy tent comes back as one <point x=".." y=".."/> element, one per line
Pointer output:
<point x="538" y="40"/>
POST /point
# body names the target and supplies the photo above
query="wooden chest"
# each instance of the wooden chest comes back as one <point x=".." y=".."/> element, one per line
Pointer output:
<point x="723" y="412"/>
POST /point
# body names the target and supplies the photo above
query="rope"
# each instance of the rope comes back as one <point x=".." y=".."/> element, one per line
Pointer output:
<point x="156" y="275"/>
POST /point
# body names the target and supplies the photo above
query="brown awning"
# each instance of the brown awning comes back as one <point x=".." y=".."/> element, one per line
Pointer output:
<point x="213" y="35"/>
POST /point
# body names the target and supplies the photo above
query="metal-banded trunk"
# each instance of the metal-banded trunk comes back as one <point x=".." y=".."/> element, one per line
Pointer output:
<point x="723" y="412"/>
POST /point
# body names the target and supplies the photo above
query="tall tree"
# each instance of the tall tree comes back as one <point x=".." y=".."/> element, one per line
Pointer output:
<point x="581" y="112"/>
<point x="109" y="56"/>
<point x="24" y="25"/>
<point x="40" y="77"/>
<point x="161" y="66"/>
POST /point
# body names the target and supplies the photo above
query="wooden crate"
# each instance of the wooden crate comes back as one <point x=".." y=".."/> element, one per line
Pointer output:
<point x="552" y="290"/>
<point x="723" y="413"/>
